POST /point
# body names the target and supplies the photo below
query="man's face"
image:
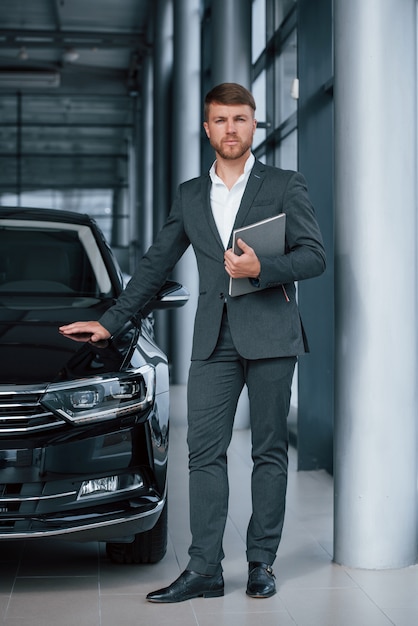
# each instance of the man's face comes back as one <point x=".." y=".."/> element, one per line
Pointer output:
<point x="230" y="129"/>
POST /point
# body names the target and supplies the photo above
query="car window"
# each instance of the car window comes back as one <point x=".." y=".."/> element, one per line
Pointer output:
<point x="51" y="258"/>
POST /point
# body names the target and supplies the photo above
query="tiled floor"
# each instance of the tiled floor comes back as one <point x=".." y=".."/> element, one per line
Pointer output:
<point x="55" y="583"/>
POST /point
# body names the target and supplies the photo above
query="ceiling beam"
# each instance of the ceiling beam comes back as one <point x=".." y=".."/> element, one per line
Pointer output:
<point x="45" y="38"/>
<point x="106" y="124"/>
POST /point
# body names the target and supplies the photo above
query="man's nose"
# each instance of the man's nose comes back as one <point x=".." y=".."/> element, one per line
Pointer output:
<point x="230" y="126"/>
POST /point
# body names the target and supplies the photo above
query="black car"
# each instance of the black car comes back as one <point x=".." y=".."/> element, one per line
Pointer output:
<point x="83" y="426"/>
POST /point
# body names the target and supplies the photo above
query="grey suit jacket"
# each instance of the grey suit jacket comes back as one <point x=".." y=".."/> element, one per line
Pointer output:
<point x="263" y="324"/>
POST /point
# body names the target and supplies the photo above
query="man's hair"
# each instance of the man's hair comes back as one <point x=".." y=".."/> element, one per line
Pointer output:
<point x="228" y="93"/>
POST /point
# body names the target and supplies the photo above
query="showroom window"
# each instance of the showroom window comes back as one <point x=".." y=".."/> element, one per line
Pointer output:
<point x="274" y="81"/>
<point x="275" y="89"/>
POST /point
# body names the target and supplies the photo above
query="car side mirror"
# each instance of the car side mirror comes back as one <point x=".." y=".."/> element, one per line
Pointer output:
<point x="172" y="295"/>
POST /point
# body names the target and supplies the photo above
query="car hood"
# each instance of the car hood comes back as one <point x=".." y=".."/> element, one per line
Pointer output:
<point x="33" y="351"/>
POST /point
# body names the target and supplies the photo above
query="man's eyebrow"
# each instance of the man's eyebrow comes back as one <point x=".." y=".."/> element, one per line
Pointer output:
<point x="224" y="117"/>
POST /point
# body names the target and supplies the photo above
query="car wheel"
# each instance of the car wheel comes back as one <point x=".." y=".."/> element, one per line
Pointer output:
<point x="147" y="547"/>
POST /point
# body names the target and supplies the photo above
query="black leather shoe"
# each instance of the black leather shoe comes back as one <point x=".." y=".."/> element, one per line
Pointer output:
<point x="190" y="585"/>
<point x="261" y="582"/>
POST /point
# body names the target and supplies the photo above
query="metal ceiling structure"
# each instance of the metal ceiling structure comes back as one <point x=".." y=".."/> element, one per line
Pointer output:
<point x="70" y="75"/>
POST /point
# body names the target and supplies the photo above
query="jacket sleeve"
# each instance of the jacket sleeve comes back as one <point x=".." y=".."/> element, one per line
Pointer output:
<point x="152" y="271"/>
<point x="305" y="254"/>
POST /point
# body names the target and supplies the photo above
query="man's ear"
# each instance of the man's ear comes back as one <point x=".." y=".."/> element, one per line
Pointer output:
<point x="206" y="127"/>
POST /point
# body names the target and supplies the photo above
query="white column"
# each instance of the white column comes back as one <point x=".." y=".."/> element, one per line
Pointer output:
<point x="187" y="126"/>
<point x="146" y="215"/>
<point x="162" y="120"/>
<point x="375" y="280"/>
<point x="231" y="42"/>
<point x="231" y="62"/>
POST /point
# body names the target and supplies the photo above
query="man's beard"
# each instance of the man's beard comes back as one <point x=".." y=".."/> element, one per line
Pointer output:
<point x="231" y="153"/>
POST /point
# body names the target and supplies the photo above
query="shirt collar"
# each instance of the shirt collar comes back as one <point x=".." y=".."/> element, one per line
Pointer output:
<point x="247" y="168"/>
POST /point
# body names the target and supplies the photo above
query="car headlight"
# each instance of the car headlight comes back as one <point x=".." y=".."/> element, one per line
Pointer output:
<point x="102" y="397"/>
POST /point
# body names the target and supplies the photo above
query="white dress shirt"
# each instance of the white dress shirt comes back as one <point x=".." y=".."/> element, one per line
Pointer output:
<point x="225" y="202"/>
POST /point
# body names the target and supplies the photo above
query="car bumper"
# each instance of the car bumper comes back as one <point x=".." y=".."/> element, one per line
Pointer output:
<point x="41" y="486"/>
<point x="121" y="526"/>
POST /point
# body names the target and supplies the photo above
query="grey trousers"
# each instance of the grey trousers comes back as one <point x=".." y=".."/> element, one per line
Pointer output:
<point x="214" y="388"/>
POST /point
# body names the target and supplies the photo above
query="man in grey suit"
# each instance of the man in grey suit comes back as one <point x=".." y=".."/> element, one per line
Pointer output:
<point x="251" y="340"/>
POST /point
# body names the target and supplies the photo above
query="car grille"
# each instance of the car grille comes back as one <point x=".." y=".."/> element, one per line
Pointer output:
<point x="17" y="508"/>
<point x="21" y="411"/>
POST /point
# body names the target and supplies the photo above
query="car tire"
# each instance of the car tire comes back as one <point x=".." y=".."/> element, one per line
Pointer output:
<point x="147" y="547"/>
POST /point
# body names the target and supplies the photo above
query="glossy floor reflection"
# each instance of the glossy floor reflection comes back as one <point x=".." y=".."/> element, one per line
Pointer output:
<point x="56" y="583"/>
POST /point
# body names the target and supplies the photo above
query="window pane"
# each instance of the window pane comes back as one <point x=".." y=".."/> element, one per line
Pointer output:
<point x="282" y="8"/>
<point x="286" y="155"/>
<point x="95" y="202"/>
<point x="259" y="93"/>
<point x="258" y="28"/>
<point x="286" y="73"/>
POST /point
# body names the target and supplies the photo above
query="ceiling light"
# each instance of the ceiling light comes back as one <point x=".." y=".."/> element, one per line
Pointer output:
<point x="15" y="77"/>
<point x="70" y="55"/>
<point x="23" y="54"/>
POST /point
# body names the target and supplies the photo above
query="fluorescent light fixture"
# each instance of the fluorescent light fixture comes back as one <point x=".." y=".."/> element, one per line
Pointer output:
<point x="28" y="78"/>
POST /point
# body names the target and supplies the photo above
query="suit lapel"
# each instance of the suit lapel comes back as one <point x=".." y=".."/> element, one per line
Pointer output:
<point x="207" y="209"/>
<point x="253" y="185"/>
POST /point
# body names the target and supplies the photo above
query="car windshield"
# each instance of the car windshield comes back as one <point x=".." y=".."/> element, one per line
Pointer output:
<point x="51" y="258"/>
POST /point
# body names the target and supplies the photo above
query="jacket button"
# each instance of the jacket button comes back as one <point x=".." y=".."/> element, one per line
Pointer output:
<point x="222" y="296"/>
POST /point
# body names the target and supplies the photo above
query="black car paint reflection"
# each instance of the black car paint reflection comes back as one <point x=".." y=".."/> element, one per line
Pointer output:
<point x="52" y="464"/>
